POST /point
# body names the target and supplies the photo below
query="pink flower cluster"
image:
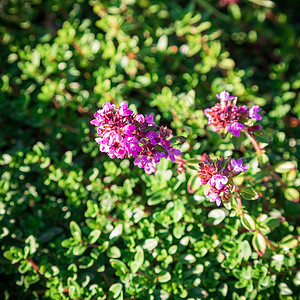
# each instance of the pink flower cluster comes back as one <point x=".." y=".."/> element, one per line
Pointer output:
<point x="217" y="176"/>
<point x="125" y="134"/>
<point x="227" y="116"/>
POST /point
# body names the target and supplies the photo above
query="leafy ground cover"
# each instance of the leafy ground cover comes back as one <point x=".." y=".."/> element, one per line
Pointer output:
<point x="76" y="224"/>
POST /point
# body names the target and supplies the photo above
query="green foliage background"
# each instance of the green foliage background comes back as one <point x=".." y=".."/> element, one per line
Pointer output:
<point x="76" y="224"/>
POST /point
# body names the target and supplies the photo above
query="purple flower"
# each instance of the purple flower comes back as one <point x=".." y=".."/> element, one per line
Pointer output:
<point x="149" y="119"/>
<point x="141" y="161"/>
<point x="214" y="197"/>
<point x="122" y="134"/>
<point x="120" y="152"/>
<point x="133" y="146"/>
<point x="172" y="152"/>
<point x="158" y="156"/>
<point x="149" y="168"/>
<point x="202" y="181"/>
<point x="218" y="181"/>
<point x="108" y="107"/>
<point x="152" y="137"/>
<point x="99" y="118"/>
<point x="253" y="113"/>
<point x="128" y="129"/>
<point x="225" y="96"/>
<point x="243" y="109"/>
<point x="166" y="144"/>
<point x="206" y="113"/>
<point x="228" y="116"/>
<point x="123" y="109"/>
<point x="144" y="162"/>
<point x="140" y="118"/>
<point x="238" y="166"/>
<point x="235" y="128"/>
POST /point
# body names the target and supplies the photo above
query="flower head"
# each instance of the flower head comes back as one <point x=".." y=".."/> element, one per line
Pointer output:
<point x="214" y="197"/>
<point x="123" y="109"/>
<point x="217" y="176"/>
<point x="235" y="128"/>
<point x="253" y="113"/>
<point x="225" y="96"/>
<point x="228" y="116"/>
<point x="124" y="134"/>
<point x="238" y="166"/>
<point x="172" y="152"/>
<point x="218" y="181"/>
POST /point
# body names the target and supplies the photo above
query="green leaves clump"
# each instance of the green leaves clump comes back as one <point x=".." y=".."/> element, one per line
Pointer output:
<point x="76" y="224"/>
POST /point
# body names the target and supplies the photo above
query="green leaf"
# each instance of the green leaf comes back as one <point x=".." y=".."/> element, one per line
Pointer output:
<point x="259" y="243"/>
<point x="33" y="245"/>
<point x="119" y="266"/>
<point x="177" y="140"/>
<point x="190" y="258"/>
<point x="288" y="242"/>
<point x="291" y="194"/>
<point x="289" y="260"/>
<point x="291" y="175"/>
<point x="94" y="235"/>
<point x="193" y="184"/>
<point x="227" y="205"/>
<point x="262" y="137"/>
<point x="134" y="266"/>
<point x="14" y="254"/>
<point x="114" y="252"/>
<point x="75" y="230"/>
<point x="150" y="244"/>
<point x="235" y="11"/>
<point x="161" y="149"/>
<point x="284" y="167"/>
<point x="79" y="249"/>
<point x="284" y="289"/>
<point x="249" y="193"/>
<point x="274" y="222"/>
<point x="24" y="266"/>
<point x="217" y="214"/>
<point x="227" y="64"/>
<point x="179" y="210"/>
<point x="263" y="159"/>
<point x="115" y="290"/>
<point x="248" y="222"/>
<point x="296" y="279"/>
<point x="116" y="232"/>
<point x="74" y="289"/>
<point x="164" y="276"/>
<point x="151" y="129"/>
<point x="237" y="140"/>
<point x="156" y="199"/>
<point x="139" y="255"/>
<point x="192" y="161"/>
<point x="246" y="250"/>
<point x="92" y="209"/>
<point x="162" y="43"/>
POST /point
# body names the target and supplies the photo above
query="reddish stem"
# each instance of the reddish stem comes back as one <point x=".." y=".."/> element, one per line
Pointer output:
<point x="36" y="267"/>
<point x="259" y="151"/>
<point x="238" y="197"/>
<point x="268" y="241"/>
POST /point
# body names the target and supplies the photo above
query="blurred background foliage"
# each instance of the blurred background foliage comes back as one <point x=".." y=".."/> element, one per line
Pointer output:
<point x="78" y="225"/>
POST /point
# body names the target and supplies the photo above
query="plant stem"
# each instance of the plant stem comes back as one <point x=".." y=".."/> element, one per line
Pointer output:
<point x="268" y="165"/>
<point x="254" y="142"/>
<point x="36" y="267"/>
<point x="268" y="241"/>
<point x="238" y="197"/>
